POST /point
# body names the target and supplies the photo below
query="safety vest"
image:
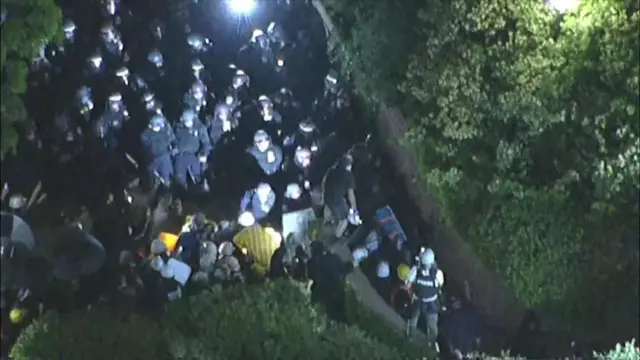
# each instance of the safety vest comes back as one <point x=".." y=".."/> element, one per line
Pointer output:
<point x="426" y="287"/>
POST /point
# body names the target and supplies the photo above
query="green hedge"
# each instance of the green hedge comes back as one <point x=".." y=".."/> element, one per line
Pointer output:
<point x="272" y="321"/>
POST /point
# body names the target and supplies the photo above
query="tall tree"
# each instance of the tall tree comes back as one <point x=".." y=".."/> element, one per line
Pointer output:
<point x="29" y="25"/>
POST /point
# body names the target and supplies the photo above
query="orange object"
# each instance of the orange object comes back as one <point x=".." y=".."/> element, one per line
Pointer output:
<point x="170" y="240"/>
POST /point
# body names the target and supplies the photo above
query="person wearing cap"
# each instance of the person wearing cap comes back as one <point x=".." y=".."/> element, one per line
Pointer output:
<point x="268" y="155"/>
<point x="426" y="282"/>
<point x="158" y="142"/>
<point x="337" y="184"/>
<point x="259" y="201"/>
<point x="193" y="149"/>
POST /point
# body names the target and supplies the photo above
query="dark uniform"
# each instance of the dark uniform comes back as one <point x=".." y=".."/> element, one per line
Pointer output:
<point x="158" y="146"/>
<point x="426" y="289"/>
<point x="192" y="144"/>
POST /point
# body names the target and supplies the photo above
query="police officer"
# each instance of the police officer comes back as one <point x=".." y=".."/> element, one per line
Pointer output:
<point x="222" y="122"/>
<point x="156" y="59"/>
<point x="196" y="97"/>
<point x="198" y="43"/>
<point x="110" y="123"/>
<point x="151" y="104"/>
<point x="306" y="136"/>
<point x="259" y="201"/>
<point x="276" y="36"/>
<point x="84" y="103"/>
<point x="69" y="29"/>
<point x="193" y="148"/>
<point x="111" y="41"/>
<point x="96" y="63"/>
<point x="268" y="155"/>
<point x="426" y="281"/>
<point x="158" y="142"/>
<point x="269" y="115"/>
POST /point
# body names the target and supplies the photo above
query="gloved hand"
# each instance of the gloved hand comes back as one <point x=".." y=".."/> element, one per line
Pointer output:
<point x="202" y="158"/>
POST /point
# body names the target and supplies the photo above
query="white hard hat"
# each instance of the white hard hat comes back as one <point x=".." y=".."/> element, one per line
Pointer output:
<point x="383" y="271"/>
<point x="17" y="202"/>
<point x="428" y="257"/>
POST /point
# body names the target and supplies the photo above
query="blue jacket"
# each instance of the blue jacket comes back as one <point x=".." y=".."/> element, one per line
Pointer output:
<point x="194" y="140"/>
<point x="157" y="144"/>
<point x="262" y="157"/>
<point x="251" y="202"/>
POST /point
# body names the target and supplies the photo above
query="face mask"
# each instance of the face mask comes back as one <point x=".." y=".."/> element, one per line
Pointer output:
<point x="348" y="168"/>
<point x="188" y="123"/>
<point x="197" y="94"/>
<point x="156" y="128"/>
<point x="229" y="100"/>
<point x="263" y="146"/>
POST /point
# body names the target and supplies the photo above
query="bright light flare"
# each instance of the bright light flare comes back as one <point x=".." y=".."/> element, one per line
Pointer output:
<point x="562" y="6"/>
<point x="246" y="219"/>
<point x="242" y="6"/>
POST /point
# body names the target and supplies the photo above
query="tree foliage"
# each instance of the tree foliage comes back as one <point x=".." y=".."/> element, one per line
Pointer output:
<point x="527" y="121"/>
<point x="273" y="321"/>
<point x="30" y="24"/>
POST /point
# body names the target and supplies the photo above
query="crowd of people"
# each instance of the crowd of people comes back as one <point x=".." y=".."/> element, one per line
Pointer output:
<point x="152" y="148"/>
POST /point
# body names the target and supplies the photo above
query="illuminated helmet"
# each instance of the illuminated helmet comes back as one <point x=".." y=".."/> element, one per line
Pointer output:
<point x="95" y="60"/>
<point x="260" y="136"/>
<point x="294" y="191"/>
<point x="155" y="57"/>
<point x="307" y="126"/>
<point x="196" y="41"/>
<point x="157" y="121"/>
<point x="428" y="257"/>
<point x="265" y="101"/>
<point x="115" y="97"/>
<point x="188" y="117"/>
<point x="122" y="72"/>
<point x="148" y="96"/>
<point x="197" y="66"/>
<point x="256" y="34"/>
<point x="69" y="26"/>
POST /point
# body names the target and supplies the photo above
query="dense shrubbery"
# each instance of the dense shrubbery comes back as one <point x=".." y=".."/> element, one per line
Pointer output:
<point x="527" y="124"/>
<point x="273" y="321"/>
<point x="30" y="24"/>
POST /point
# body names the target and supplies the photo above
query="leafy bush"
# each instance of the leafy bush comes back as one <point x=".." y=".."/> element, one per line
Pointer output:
<point x="96" y="334"/>
<point x="272" y="321"/>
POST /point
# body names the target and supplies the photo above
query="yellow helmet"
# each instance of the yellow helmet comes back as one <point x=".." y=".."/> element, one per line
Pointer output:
<point x="403" y="271"/>
<point x="17" y="315"/>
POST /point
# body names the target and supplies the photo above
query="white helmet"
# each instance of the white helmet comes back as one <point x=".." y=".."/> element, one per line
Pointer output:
<point x="383" y="271"/>
<point x="428" y="257"/>
<point x="359" y="255"/>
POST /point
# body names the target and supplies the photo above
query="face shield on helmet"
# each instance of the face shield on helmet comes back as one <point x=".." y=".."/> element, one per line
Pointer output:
<point x="261" y="140"/>
<point x="307" y="126"/>
<point x="188" y="118"/>
<point x="263" y="191"/>
<point x="155" y="57"/>
<point x="223" y="112"/>
<point x="108" y="33"/>
<point x="95" y="61"/>
<point x="110" y="7"/>
<point x="115" y="101"/>
<point x="294" y="191"/>
<point x="157" y="122"/>
<point x="303" y="157"/>
<point x="197" y="67"/>
<point x="197" y="90"/>
<point x="240" y="79"/>
<point x="69" y="29"/>
<point x="196" y="42"/>
<point x="265" y="102"/>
